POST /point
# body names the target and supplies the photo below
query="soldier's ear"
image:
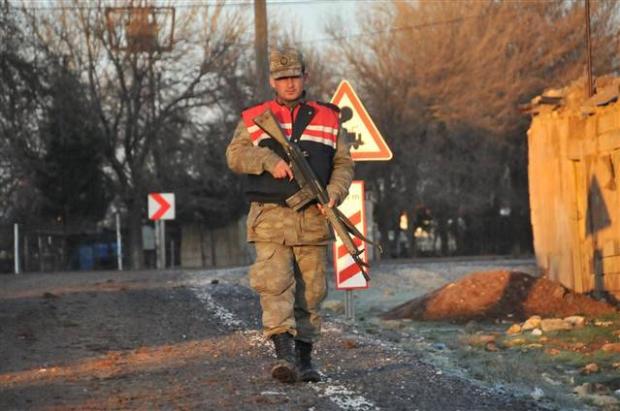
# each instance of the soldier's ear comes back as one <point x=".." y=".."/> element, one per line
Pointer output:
<point x="272" y="82"/>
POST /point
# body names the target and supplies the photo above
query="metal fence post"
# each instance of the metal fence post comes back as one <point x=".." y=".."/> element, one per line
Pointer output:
<point x="16" y="250"/>
<point x="119" y="243"/>
<point x="163" y="243"/>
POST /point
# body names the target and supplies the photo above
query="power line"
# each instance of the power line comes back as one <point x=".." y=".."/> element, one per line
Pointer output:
<point x="203" y="3"/>
<point x="396" y="29"/>
<point x="46" y="5"/>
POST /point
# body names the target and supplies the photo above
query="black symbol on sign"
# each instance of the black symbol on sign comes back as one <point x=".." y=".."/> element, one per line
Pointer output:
<point x="355" y="139"/>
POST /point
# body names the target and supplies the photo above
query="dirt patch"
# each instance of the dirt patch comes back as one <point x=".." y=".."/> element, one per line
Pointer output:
<point x="498" y="295"/>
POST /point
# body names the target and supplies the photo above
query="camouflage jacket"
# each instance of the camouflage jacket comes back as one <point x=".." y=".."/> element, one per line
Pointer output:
<point x="273" y="222"/>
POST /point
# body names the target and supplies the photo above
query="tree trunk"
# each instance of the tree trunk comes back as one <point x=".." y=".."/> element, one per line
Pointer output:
<point x="136" y="254"/>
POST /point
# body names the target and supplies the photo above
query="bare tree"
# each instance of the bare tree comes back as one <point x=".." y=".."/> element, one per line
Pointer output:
<point x="21" y="101"/>
<point x="443" y="81"/>
<point x="153" y="107"/>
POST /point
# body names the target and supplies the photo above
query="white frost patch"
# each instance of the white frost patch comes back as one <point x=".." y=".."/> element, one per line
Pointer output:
<point x="537" y="394"/>
<point x="343" y="397"/>
<point x="272" y="393"/>
<point x="331" y="327"/>
<point x="221" y="313"/>
<point x="256" y="339"/>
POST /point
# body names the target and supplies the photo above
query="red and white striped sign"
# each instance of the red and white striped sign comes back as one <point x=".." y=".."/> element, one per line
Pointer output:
<point x="348" y="274"/>
<point x="161" y="206"/>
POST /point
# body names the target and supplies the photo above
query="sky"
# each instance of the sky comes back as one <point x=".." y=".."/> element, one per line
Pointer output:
<point x="310" y="14"/>
<point x="313" y="14"/>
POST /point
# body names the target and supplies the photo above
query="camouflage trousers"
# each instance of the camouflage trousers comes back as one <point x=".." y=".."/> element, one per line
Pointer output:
<point x="291" y="283"/>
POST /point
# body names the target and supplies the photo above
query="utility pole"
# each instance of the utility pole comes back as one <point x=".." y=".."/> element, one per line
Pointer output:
<point x="260" y="46"/>
<point x="590" y="85"/>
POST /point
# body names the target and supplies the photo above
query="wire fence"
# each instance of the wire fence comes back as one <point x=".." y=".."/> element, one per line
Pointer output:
<point x="53" y="248"/>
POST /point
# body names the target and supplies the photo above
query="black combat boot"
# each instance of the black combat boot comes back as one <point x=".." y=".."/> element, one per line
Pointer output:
<point x="284" y="369"/>
<point x="307" y="372"/>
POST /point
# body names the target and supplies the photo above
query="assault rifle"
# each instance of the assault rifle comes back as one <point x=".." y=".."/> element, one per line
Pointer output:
<point x="312" y="190"/>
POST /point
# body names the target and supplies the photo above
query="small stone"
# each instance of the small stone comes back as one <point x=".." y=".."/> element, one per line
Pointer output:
<point x="531" y="323"/>
<point x="537" y="332"/>
<point x="514" y="329"/>
<point x="578" y="346"/>
<point x="601" y="323"/>
<point x="616" y="365"/>
<point x="583" y="389"/>
<point x="215" y="281"/>
<point x="349" y="344"/>
<point x="479" y="340"/>
<point x="514" y="342"/>
<point x="591" y="368"/>
<point x="611" y="347"/>
<point x="439" y="346"/>
<point x="577" y="321"/>
<point x="552" y="351"/>
<point x="549" y="380"/>
<point x="491" y="347"/>
<point x="555" y="324"/>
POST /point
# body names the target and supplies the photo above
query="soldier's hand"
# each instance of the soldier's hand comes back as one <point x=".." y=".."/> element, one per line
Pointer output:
<point x="331" y="204"/>
<point x="282" y="170"/>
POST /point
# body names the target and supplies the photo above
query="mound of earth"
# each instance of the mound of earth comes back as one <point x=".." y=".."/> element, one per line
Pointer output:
<point x="498" y="295"/>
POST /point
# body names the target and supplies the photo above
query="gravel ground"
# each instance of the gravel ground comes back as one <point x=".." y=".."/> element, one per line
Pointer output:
<point x="190" y="340"/>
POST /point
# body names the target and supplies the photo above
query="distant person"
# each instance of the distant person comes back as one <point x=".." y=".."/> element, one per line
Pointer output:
<point x="291" y="251"/>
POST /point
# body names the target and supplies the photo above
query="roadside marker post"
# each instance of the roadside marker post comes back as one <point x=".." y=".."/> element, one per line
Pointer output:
<point x="161" y="207"/>
<point x="367" y="144"/>
<point x="348" y="274"/>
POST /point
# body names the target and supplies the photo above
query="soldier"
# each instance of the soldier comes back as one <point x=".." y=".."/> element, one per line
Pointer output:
<point x="291" y="247"/>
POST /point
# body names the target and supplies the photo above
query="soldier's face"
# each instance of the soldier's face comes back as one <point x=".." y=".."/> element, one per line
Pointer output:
<point x="288" y="88"/>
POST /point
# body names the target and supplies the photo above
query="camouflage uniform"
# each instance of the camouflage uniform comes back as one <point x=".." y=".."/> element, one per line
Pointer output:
<point x="289" y="271"/>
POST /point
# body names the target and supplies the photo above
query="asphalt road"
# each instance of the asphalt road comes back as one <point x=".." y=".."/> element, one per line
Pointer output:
<point x="178" y="340"/>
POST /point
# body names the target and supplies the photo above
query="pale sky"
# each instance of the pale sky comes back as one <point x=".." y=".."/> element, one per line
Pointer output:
<point x="313" y="14"/>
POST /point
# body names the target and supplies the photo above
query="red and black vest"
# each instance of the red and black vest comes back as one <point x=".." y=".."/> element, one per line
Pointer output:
<point x="313" y="126"/>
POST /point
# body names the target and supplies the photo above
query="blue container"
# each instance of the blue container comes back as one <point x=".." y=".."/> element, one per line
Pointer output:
<point x="87" y="258"/>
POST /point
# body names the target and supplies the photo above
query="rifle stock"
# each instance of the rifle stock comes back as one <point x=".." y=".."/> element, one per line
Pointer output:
<point x="311" y="189"/>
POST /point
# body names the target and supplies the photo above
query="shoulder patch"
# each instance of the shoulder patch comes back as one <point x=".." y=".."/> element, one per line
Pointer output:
<point x="330" y="105"/>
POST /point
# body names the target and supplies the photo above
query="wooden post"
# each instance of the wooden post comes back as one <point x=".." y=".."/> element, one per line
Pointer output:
<point x="590" y="84"/>
<point x="260" y="46"/>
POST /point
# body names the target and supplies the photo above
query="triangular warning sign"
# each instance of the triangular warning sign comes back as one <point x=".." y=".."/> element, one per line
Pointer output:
<point x="367" y="144"/>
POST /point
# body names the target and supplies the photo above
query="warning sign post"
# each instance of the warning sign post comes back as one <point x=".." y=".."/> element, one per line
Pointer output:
<point x="367" y="144"/>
